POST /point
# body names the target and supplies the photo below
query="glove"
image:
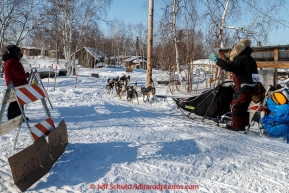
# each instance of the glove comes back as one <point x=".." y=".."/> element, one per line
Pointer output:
<point x="213" y="57"/>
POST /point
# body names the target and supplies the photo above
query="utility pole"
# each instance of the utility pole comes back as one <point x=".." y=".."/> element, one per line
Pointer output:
<point x="150" y="41"/>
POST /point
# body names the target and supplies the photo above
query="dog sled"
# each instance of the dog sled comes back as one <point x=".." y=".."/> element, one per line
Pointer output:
<point x="211" y="104"/>
<point x="269" y="113"/>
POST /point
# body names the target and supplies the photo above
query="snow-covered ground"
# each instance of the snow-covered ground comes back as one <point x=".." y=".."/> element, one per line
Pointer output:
<point x="115" y="145"/>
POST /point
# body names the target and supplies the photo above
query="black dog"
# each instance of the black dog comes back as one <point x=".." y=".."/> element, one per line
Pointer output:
<point x="132" y="93"/>
<point x="125" y="78"/>
<point x="109" y="86"/>
<point x="120" y="89"/>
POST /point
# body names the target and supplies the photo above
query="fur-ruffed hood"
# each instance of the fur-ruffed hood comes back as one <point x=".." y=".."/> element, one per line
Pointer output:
<point x="240" y="47"/>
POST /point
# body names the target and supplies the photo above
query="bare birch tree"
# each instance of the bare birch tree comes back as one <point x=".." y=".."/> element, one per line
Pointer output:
<point x="30" y="15"/>
<point x="118" y="34"/>
<point x="85" y="18"/>
<point x="243" y="18"/>
<point x="141" y="32"/>
<point x="75" y="15"/>
<point x="169" y="21"/>
<point x="175" y="13"/>
<point x="8" y="12"/>
<point x="131" y="39"/>
<point x="238" y="19"/>
<point x="180" y="16"/>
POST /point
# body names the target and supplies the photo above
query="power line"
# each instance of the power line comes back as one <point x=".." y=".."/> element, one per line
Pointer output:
<point x="267" y="15"/>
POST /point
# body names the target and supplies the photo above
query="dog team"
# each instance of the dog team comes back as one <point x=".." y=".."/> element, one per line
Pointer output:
<point x="121" y="86"/>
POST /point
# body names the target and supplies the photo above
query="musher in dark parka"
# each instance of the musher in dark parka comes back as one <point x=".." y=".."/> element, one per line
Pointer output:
<point x="245" y="76"/>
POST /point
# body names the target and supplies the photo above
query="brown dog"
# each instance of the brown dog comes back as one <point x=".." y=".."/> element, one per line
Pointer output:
<point x="147" y="92"/>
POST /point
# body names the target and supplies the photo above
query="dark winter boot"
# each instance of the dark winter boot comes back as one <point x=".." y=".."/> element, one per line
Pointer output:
<point x="13" y="110"/>
<point x="241" y="128"/>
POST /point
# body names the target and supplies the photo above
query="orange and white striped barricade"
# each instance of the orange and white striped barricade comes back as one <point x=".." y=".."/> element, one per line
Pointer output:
<point x="42" y="129"/>
<point x="23" y="95"/>
<point x="41" y="154"/>
<point x="31" y="93"/>
<point x="36" y="79"/>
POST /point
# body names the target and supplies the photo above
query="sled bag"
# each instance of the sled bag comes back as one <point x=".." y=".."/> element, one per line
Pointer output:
<point x="211" y="103"/>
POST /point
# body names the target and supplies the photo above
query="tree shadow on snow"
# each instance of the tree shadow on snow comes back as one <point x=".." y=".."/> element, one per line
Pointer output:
<point x="88" y="162"/>
<point x="100" y="112"/>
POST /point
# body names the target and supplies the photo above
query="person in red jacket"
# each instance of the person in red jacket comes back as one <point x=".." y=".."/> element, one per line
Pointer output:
<point x="245" y="76"/>
<point x="15" y="73"/>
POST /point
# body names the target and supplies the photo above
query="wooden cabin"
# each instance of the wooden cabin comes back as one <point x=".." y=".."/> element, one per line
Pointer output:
<point x="111" y="61"/>
<point x="88" y="57"/>
<point x="136" y="62"/>
<point x="31" y="51"/>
